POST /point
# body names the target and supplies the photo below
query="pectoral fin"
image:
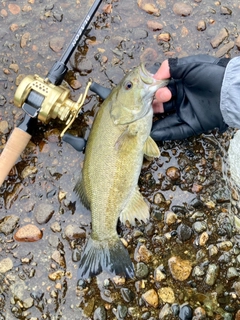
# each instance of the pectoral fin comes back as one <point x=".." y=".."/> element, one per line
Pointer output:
<point x="151" y="149"/>
<point x="80" y="191"/>
<point x="136" y="208"/>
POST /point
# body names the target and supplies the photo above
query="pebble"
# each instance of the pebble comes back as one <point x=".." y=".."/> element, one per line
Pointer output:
<point x="166" y="294"/>
<point x="232" y="273"/>
<point x="57" y="257"/>
<point x="57" y="275"/>
<point x="159" y="274"/>
<point x="4" y="127"/>
<point x="57" y="43"/>
<point x="28" y="171"/>
<point x="184" y="232"/>
<point x="212" y="273"/>
<point x="224" y="49"/>
<point x="6" y="265"/>
<point x="141" y="270"/>
<point x="203" y="239"/>
<point x="165" y="37"/>
<point x="24" y="39"/>
<point x="225" y="10"/>
<point x="199" y="314"/>
<point x="165" y="312"/>
<point x="56" y="227"/>
<point x="237" y="42"/>
<point x="199" y="226"/>
<point x="142" y="253"/>
<point x="72" y="232"/>
<point x="179" y="268"/>
<point x="201" y="26"/>
<point x="182" y="9"/>
<point x="127" y="294"/>
<point x="219" y="38"/>
<point x="173" y="173"/>
<point x="100" y="314"/>
<point x="43" y="213"/>
<point x="28" y="233"/>
<point x="151" y="298"/>
<point x="186" y="312"/>
<point x="8" y="224"/>
<point x="170" y="217"/>
<point x="154" y="25"/>
<point x="14" y="8"/>
<point x="148" y="7"/>
<point x="159" y="198"/>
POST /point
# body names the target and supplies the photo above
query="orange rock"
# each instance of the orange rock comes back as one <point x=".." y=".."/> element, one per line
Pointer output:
<point x="14" y="8"/>
<point x="28" y="233"/>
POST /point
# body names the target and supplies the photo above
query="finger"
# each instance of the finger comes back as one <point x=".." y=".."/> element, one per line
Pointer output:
<point x="157" y="106"/>
<point x="163" y="72"/>
<point x="163" y="94"/>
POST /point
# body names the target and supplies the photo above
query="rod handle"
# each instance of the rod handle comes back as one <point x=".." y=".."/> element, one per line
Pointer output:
<point x="14" y="147"/>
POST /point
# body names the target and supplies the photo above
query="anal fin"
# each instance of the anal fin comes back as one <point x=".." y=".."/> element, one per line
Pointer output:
<point x="151" y="149"/>
<point x="136" y="208"/>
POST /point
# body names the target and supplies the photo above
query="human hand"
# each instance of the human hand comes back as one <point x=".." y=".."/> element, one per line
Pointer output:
<point x="192" y="97"/>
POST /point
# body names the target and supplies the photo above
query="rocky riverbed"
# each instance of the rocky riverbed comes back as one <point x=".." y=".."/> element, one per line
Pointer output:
<point x="187" y="257"/>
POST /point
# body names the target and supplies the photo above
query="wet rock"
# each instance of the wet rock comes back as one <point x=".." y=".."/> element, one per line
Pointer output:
<point x="24" y="39"/>
<point x="166" y="294"/>
<point x="201" y="26"/>
<point x="212" y="273"/>
<point x="219" y="38"/>
<point x="199" y="226"/>
<point x="6" y="265"/>
<point x="225" y="245"/>
<point x="165" y="312"/>
<point x="173" y="173"/>
<point x="203" y="238"/>
<point x="182" y="9"/>
<point x="89" y="306"/>
<point x="100" y="314"/>
<point x="8" y="224"/>
<point x="57" y="275"/>
<point x="139" y="33"/>
<point x="165" y="37"/>
<point x="149" y="7"/>
<point x="14" y="8"/>
<point x="72" y="232"/>
<point x="76" y="255"/>
<point x="225" y="10"/>
<point x="154" y="25"/>
<point x="141" y="270"/>
<point x="186" y="312"/>
<point x="2" y="103"/>
<point x="236" y="287"/>
<point x="184" y="232"/>
<point x="232" y="273"/>
<point x="43" y="213"/>
<point x="159" y="274"/>
<point x="56" y="227"/>
<point x="57" y="43"/>
<point x="120" y="312"/>
<point x="127" y="294"/>
<point x="84" y="66"/>
<point x="179" y="268"/>
<point x="175" y="309"/>
<point x="4" y="127"/>
<point x="28" y="233"/>
<point x="142" y="253"/>
<point x="225" y="49"/>
<point x="198" y="271"/>
<point x="170" y="217"/>
<point x="59" y="258"/>
<point x="159" y="198"/>
<point x="213" y="250"/>
<point x="149" y="55"/>
<point x="199" y="314"/>
<point x="151" y="298"/>
<point x="28" y="303"/>
<point x="28" y="171"/>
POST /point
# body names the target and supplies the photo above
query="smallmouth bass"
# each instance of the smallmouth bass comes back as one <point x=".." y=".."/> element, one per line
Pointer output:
<point x="108" y="186"/>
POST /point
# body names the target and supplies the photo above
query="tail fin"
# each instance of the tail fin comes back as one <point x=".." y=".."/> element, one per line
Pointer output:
<point x="110" y="256"/>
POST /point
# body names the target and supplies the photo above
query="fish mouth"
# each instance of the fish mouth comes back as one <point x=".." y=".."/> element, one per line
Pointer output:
<point x="147" y="78"/>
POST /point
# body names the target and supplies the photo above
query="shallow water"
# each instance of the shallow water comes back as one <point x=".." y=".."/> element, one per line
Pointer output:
<point x="116" y="42"/>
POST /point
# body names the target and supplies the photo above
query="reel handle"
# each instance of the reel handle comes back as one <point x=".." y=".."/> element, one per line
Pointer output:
<point x="16" y="144"/>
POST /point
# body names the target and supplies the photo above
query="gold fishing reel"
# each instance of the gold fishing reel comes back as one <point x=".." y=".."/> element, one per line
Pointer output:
<point x="39" y="97"/>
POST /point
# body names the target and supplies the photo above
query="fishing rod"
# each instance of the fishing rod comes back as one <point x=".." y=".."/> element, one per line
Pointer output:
<point x="45" y="99"/>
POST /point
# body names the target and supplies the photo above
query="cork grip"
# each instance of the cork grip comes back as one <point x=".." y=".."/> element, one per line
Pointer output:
<point x="14" y="147"/>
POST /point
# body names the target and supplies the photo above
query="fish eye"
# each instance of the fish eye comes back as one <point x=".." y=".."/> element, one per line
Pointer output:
<point x="128" y="85"/>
